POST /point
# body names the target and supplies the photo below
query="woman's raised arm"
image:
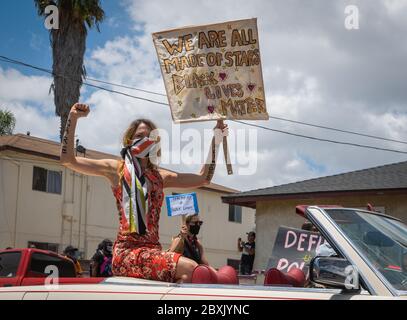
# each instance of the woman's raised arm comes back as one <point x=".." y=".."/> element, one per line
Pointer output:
<point x="191" y="180"/>
<point x="105" y="167"/>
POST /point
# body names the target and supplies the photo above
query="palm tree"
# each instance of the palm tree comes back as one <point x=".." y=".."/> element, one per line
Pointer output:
<point x="7" y="122"/>
<point x="68" y="49"/>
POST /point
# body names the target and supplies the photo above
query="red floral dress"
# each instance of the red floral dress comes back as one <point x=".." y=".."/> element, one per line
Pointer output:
<point x="141" y="256"/>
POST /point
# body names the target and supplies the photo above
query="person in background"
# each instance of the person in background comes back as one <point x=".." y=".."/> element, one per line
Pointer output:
<point x="101" y="265"/>
<point x="248" y="253"/>
<point x="308" y="226"/>
<point x="92" y="264"/>
<point x="187" y="242"/>
<point x="72" y="253"/>
<point x="325" y="249"/>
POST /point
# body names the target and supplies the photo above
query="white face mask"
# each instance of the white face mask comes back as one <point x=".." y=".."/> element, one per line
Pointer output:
<point x="142" y="147"/>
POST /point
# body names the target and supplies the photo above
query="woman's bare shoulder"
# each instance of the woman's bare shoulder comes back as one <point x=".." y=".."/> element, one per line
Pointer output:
<point x="113" y="172"/>
<point x="164" y="172"/>
<point x="166" y="176"/>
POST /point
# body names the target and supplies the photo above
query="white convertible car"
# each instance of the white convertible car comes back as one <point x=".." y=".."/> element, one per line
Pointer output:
<point x="369" y="262"/>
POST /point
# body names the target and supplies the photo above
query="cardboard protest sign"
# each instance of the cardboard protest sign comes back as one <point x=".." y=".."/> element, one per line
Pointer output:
<point x="182" y="204"/>
<point x="294" y="248"/>
<point x="213" y="72"/>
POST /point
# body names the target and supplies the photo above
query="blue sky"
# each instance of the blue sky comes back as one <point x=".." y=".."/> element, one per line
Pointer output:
<point x="25" y="38"/>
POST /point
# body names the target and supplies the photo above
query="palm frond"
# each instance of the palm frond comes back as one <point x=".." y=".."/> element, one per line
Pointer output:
<point x="42" y="4"/>
<point x="89" y="12"/>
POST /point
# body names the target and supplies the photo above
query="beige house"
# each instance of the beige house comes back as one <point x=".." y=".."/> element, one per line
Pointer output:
<point x="384" y="187"/>
<point x="45" y="204"/>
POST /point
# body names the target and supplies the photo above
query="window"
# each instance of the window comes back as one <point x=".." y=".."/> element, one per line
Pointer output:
<point x="235" y="213"/>
<point x="381" y="240"/>
<point x="9" y="262"/>
<point x="47" y="181"/>
<point x="43" y="246"/>
<point x="40" y="261"/>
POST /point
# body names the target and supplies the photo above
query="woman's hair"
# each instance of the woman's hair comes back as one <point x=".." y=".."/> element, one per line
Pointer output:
<point x="128" y="139"/>
<point x="189" y="217"/>
<point x="131" y="130"/>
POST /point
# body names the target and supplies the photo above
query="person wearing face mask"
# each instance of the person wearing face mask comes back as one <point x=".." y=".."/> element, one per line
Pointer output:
<point x="138" y="185"/>
<point x="248" y="253"/>
<point x="72" y="253"/>
<point x="101" y="265"/>
<point x="187" y="242"/>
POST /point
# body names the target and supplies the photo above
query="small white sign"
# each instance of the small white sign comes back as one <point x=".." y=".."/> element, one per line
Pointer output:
<point x="182" y="204"/>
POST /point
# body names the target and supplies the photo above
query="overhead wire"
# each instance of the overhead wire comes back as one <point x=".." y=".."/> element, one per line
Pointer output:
<point x="17" y="62"/>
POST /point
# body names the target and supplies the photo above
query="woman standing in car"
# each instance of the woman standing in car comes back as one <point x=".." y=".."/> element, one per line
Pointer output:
<point x="137" y="185"/>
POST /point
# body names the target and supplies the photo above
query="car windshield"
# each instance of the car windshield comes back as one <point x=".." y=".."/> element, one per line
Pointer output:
<point x="382" y="240"/>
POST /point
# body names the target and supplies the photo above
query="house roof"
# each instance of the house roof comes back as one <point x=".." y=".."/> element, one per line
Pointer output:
<point x="389" y="178"/>
<point x="50" y="149"/>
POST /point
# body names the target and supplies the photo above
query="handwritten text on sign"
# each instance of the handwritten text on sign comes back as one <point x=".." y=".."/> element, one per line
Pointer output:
<point x="182" y="204"/>
<point x="294" y="248"/>
<point x="213" y="71"/>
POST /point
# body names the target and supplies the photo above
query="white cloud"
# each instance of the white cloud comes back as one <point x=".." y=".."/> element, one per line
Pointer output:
<point x="15" y="86"/>
<point x="314" y="71"/>
<point x="311" y="74"/>
<point x="29" y="118"/>
<point x="28" y="98"/>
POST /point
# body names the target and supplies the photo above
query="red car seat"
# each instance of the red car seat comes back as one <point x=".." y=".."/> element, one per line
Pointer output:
<point x="204" y="274"/>
<point x="295" y="277"/>
<point x="227" y="275"/>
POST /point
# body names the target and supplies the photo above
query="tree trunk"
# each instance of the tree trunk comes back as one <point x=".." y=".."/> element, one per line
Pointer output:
<point x="68" y="50"/>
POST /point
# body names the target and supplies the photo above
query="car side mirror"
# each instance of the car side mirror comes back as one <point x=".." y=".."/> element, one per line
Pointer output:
<point x="334" y="272"/>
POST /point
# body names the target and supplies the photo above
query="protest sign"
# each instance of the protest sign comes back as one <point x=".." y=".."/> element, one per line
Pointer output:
<point x="294" y="248"/>
<point x="182" y="204"/>
<point x="213" y="72"/>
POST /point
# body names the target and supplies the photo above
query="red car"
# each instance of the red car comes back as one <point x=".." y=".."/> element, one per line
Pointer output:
<point x="29" y="267"/>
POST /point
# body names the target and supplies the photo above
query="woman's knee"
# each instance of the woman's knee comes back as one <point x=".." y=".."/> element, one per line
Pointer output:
<point x="185" y="268"/>
<point x="189" y="265"/>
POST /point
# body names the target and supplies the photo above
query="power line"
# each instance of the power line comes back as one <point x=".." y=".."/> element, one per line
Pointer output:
<point x="12" y="61"/>
<point x="338" y="130"/>
<point x="321" y="139"/>
<point x="126" y="87"/>
<point x="9" y="60"/>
